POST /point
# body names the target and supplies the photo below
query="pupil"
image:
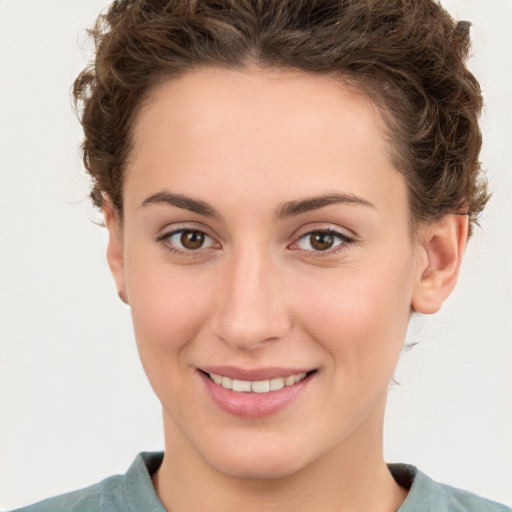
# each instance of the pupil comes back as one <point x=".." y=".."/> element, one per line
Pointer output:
<point x="192" y="239"/>
<point x="322" y="241"/>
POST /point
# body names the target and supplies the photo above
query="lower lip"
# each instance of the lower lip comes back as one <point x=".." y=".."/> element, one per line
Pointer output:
<point x="254" y="405"/>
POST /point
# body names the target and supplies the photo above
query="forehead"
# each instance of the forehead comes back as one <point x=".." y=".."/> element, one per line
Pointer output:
<point x="204" y="101"/>
<point x="245" y="130"/>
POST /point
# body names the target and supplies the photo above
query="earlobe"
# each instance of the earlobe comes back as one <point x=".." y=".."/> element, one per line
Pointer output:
<point x="441" y="248"/>
<point x="115" y="253"/>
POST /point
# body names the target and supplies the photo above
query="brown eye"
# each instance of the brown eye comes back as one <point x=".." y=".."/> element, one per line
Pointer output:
<point x="192" y="240"/>
<point x="321" y="241"/>
<point x="187" y="242"/>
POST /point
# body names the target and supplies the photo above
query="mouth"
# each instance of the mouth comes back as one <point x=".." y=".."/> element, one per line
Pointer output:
<point x="256" y="393"/>
<point x="257" y="386"/>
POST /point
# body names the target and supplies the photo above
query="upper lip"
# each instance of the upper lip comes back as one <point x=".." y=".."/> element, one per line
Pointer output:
<point x="253" y="374"/>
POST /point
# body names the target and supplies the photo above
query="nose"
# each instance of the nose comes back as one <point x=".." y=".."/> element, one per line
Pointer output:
<point x="250" y="308"/>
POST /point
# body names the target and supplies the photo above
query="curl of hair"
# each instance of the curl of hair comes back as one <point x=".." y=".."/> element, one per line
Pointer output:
<point x="408" y="56"/>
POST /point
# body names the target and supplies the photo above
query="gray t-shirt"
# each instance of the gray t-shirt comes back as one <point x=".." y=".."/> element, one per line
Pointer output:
<point x="134" y="492"/>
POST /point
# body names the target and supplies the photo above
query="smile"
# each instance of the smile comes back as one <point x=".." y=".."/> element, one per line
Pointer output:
<point x="256" y="386"/>
<point x="257" y="392"/>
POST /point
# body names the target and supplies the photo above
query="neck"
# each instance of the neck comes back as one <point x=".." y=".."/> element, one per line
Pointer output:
<point x="352" y="477"/>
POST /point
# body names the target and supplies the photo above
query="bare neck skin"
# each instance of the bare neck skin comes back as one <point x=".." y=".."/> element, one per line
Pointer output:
<point x="352" y="477"/>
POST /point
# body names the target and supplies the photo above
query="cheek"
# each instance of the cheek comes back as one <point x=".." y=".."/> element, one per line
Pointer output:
<point x="360" y="316"/>
<point x="168" y="308"/>
<point x="168" y="311"/>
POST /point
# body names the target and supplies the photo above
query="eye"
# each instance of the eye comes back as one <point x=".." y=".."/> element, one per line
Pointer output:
<point x="186" y="240"/>
<point x="322" y="240"/>
<point x="190" y="240"/>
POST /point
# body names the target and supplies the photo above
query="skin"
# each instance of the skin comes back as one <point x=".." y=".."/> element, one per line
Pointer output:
<point x="258" y="293"/>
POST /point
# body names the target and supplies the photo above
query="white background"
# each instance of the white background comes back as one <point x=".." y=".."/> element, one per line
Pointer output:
<point x="75" y="406"/>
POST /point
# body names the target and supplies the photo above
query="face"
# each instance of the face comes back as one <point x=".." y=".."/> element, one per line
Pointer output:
<point x="266" y="247"/>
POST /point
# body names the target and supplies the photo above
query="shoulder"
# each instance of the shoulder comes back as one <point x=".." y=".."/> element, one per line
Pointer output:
<point x="467" y="501"/>
<point x="426" y="494"/>
<point x="119" y="493"/>
<point x="83" y="500"/>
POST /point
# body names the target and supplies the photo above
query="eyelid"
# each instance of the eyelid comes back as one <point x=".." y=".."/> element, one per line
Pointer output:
<point x="173" y="228"/>
<point x="165" y="234"/>
<point x="327" y="227"/>
<point x="345" y="239"/>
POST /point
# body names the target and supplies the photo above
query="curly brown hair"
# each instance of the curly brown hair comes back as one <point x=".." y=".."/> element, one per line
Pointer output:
<point x="408" y="56"/>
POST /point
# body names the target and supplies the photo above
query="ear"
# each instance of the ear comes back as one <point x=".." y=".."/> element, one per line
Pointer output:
<point x="115" y="252"/>
<point x="441" y="248"/>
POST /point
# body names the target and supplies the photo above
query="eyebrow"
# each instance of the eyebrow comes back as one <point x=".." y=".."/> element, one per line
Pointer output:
<point x="182" y="201"/>
<point x="287" y="209"/>
<point x="291" y="208"/>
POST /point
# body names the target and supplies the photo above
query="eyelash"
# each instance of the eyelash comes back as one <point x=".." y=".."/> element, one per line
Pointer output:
<point x="344" y="241"/>
<point x="165" y="238"/>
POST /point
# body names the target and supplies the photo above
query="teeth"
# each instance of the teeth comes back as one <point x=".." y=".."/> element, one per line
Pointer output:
<point x="241" y="385"/>
<point x="289" y="381"/>
<point x="227" y="383"/>
<point x="259" y="386"/>
<point x="276" y="384"/>
<point x="216" y="378"/>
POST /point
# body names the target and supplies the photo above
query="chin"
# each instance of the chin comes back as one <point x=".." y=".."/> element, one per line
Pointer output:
<point x="260" y="469"/>
<point x="258" y="463"/>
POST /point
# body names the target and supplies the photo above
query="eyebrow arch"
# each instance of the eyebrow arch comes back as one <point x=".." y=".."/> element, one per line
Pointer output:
<point x="287" y="209"/>
<point x="181" y="201"/>
<point x="291" y="208"/>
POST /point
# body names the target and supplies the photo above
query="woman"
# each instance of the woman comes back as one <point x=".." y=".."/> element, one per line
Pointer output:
<point x="284" y="184"/>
